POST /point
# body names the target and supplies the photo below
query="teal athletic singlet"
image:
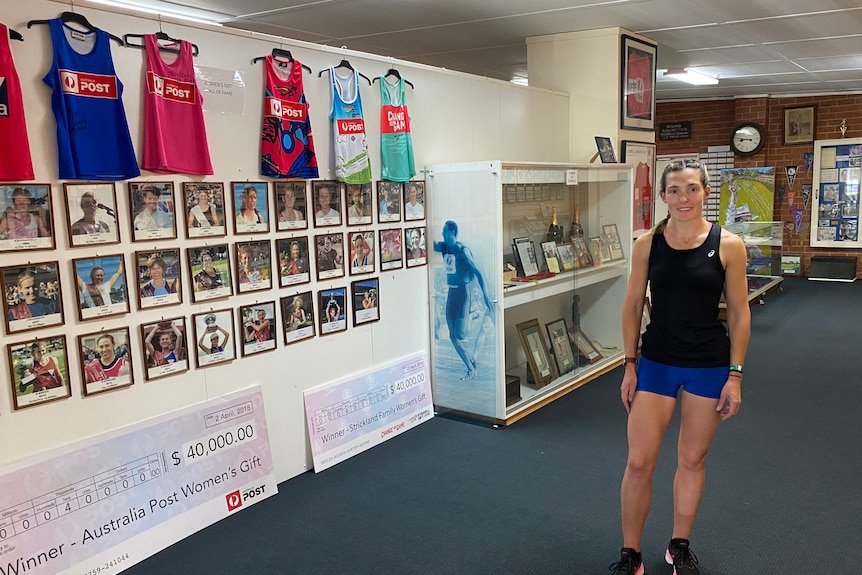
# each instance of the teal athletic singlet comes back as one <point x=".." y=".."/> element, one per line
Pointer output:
<point x="396" y="144"/>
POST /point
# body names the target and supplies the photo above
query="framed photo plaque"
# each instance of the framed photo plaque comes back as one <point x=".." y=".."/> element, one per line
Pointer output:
<point x="33" y="296"/>
<point x="26" y="217"/>
<point x="297" y="316"/>
<point x="366" y="301"/>
<point x="215" y="337"/>
<point x="39" y="371"/>
<point x="106" y="360"/>
<point x="101" y="286"/>
<point x="541" y="368"/>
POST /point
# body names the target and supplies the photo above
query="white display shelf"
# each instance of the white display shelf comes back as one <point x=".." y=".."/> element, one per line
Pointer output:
<point x="520" y="293"/>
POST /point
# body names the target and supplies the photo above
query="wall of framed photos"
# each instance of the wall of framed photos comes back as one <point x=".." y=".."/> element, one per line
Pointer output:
<point x="197" y="310"/>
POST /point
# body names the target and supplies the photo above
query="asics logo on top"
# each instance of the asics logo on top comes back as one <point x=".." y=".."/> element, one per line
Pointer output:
<point x="293" y="111"/>
<point x="90" y="85"/>
<point x="170" y="89"/>
<point x="710" y="254"/>
<point x="4" y="97"/>
<point x="351" y="126"/>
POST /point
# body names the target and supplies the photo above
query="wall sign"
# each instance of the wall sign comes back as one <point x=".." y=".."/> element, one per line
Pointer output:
<point x="674" y="131"/>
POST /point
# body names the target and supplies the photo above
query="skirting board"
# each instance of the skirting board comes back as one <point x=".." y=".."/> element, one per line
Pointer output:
<point x="847" y="281"/>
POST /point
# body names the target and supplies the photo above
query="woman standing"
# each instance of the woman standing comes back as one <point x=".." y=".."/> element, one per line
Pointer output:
<point x="688" y="263"/>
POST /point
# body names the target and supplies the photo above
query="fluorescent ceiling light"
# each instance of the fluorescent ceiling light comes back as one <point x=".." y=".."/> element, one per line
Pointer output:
<point x="691" y="77"/>
<point x="156" y="12"/>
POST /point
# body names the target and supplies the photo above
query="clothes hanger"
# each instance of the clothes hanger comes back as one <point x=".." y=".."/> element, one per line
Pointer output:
<point x="79" y="19"/>
<point x="397" y="74"/>
<point x="280" y="53"/>
<point x="345" y="64"/>
<point x="159" y="36"/>
<point x="13" y="35"/>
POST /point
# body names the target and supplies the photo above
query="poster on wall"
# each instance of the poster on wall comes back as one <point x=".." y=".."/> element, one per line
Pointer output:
<point x="108" y="502"/>
<point x="747" y="195"/>
<point x="352" y="415"/>
<point x="834" y="196"/>
<point x="462" y="259"/>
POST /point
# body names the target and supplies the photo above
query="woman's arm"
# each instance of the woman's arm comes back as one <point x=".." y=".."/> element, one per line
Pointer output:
<point x="632" y="313"/>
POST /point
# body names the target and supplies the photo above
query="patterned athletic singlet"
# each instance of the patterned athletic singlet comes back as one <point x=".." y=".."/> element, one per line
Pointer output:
<point x="93" y="138"/>
<point x="175" y="137"/>
<point x="15" y="162"/>
<point x="286" y="144"/>
<point x="352" y="164"/>
<point x="396" y="144"/>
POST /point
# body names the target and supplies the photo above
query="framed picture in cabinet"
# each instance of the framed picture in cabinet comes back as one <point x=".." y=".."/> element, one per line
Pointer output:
<point x="564" y="357"/>
<point x="538" y="360"/>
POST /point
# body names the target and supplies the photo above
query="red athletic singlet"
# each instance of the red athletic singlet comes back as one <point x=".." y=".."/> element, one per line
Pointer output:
<point x="15" y="162"/>
<point x="175" y="137"/>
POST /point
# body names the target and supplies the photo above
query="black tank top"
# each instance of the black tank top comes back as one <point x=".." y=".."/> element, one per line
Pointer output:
<point x="685" y="288"/>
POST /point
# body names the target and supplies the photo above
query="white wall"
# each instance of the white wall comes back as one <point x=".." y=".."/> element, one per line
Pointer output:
<point x="454" y="117"/>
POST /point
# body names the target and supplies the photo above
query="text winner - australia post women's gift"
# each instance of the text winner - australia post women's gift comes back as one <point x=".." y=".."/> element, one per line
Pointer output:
<point x="92" y="133"/>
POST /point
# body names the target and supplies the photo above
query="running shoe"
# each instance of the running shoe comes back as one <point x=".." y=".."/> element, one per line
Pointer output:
<point x="680" y="556"/>
<point x="629" y="564"/>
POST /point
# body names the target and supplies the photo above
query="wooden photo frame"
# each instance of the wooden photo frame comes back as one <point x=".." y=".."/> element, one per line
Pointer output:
<point x="329" y="255"/>
<point x="585" y="347"/>
<point x="327" y="201"/>
<point x="358" y="198"/>
<point x="637" y="84"/>
<point x="251" y="207"/>
<point x="561" y="347"/>
<point x="293" y="261"/>
<point x="800" y="124"/>
<point x="38" y="371"/>
<point x="205" y="207"/>
<point x="596" y="251"/>
<point x="26" y="217"/>
<point x="258" y="327"/>
<point x="568" y="259"/>
<point x="153" y="211"/>
<point x="290" y="201"/>
<point x="101" y="286"/>
<point x="158" y="274"/>
<point x="361" y="253"/>
<point x="390" y="250"/>
<point x="541" y="368"/>
<point x="253" y="266"/>
<point x="365" y="295"/>
<point x="165" y="349"/>
<point x="91" y="214"/>
<point x="297" y="317"/>
<point x="582" y="252"/>
<point x="606" y="150"/>
<point x="389" y="201"/>
<point x="105" y="360"/>
<point x="209" y="272"/>
<point x="33" y="296"/>
<point x="414" y="201"/>
<point x="214" y="337"/>
<point x="414" y="247"/>
<point x="615" y="246"/>
<point x="332" y="310"/>
<point x="525" y="252"/>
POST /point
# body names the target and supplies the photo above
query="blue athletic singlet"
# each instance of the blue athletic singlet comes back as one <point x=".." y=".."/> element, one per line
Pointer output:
<point x="396" y="144"/>
<point x="352" y="164"/>
<point x="458" y="271"/>
<point x="92" y="133"/>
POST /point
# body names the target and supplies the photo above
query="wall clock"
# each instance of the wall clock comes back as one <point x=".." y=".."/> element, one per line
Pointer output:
<point x="747" y="139"/>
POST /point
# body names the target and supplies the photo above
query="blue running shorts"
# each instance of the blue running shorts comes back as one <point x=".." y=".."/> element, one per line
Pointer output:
<point x="667" y="379"/>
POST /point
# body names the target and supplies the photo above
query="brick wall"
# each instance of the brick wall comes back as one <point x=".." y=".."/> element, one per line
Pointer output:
<point x="712" y="122"/>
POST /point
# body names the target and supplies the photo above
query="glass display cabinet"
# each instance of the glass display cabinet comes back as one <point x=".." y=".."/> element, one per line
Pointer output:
<point x="763" y="242"/>
<point x="528" y="268"/>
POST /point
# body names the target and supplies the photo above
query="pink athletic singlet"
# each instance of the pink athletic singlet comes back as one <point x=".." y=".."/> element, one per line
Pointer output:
<point x="175" y="136"/>
<point x="15" y="162"/>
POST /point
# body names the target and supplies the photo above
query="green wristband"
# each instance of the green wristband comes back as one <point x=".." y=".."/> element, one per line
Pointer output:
<point x="736" y="367"/>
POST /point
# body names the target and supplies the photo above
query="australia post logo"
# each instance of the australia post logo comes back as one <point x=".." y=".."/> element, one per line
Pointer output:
<point x="292" y="111"/>
<point x="89" y="85"/>
<point x="233" y="500"/>
<point x="347" y="127"/>
<point x="170" y="89"/>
